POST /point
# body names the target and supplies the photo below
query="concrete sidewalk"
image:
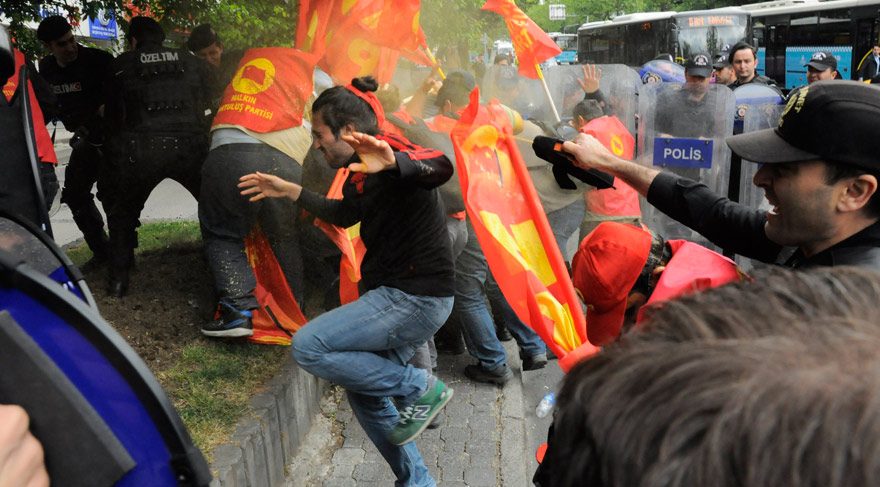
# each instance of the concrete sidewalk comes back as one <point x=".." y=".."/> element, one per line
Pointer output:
<point x="487" y="435"/>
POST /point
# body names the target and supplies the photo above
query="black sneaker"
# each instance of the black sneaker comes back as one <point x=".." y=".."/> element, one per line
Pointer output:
<point x="503" y="333"/>
<point x="534" y="362"/>
<point x="233" y="323"/>
<point x="478" y="373"/>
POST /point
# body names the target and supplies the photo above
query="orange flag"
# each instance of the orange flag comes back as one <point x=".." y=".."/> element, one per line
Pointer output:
<point x="279" y="315"/>
<point x="349" y="242"/>
<point x="532" y="45"/>
<point x="351" y="52"/>
<point x="269" y="91"/>
<point x="514" y="233"/>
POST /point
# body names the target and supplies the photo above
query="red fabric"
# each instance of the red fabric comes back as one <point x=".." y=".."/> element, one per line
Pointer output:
<point x="45" y="147"/>
<point x="349" y="242"/>
<point x="441" y="123"/>
<point x="622" y="200"/>
<point x="512" y="229"/>
<point x="350" y="53"/>
<point x="396" y="25"/>
<point x="279" y="315"/>
<point x="692" y="268"/>
<point x="533" y="46"/>
<point x="312" y="24"/>
<point x="269" y="91"/>
<point x="372" y="100"/>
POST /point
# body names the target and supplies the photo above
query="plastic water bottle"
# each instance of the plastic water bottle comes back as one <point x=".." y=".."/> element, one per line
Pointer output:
<point x="546" y="405"/>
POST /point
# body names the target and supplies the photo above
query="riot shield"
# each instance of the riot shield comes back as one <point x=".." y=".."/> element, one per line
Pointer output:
<point x="522" y="94"/>
<point x="26" y="243"/>
<point x="100" y="414"/>
<point x="682" y="130"/>
<point x="758" y="107"/>
<point x="618" y="86"/>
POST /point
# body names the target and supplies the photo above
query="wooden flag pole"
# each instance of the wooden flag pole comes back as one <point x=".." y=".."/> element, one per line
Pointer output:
<point x="547" y="92"/>
<point x="434" y="60"/>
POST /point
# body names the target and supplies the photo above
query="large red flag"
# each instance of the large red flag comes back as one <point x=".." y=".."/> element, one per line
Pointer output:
<point x="349" y="242"/>
<point x="312" y="24"/>
<point x="351" y="53"/>
<point x="513" y="231"/>
<point x="279" y="315"/>
<point x="532" y="45"/>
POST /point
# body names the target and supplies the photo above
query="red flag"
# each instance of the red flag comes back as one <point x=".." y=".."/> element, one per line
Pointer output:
<point x="45" y="147"/>
<point x="279" y="315"/>
<point x="513" y="231"/>
<point x="532" y="45"/>
<point x="351" y="52"/>
<point x="396" y="25"/>
<point x="269" y="91"/>
<point x="312" y="24"/>
<point x="349" y="242"/>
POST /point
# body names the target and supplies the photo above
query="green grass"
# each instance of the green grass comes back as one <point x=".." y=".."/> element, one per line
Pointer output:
<point x="212" y="383"/>
<point x="151" y="236"/>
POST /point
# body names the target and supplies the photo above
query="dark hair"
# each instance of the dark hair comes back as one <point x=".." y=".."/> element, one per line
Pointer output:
<point x="836" y="171"/>
<point x="588" y="109"/>
<point x="202" y="36"/>
<point x="52" y="28"/>
<point x="146" y="31"/>
<point x="339" y="107"/>
<point x="783" y="391"/>
<point x="456" y="88"/>
<point x="739" y="46"/>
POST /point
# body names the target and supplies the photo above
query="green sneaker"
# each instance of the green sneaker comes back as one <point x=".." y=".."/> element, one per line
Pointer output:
<point x="417" y="416"/>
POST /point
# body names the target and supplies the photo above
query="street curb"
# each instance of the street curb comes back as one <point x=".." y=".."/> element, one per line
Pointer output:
<point x="272" y="431"/>
<point x="513" y="424"/>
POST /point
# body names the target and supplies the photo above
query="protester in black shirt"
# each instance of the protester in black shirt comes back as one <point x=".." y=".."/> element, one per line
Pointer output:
<point x="820" y="171"/>
<point x="76" y="75"/>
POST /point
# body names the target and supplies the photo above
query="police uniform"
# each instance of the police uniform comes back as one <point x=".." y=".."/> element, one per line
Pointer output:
<point x="157" y="107"/>
<point x="79" y="92"/>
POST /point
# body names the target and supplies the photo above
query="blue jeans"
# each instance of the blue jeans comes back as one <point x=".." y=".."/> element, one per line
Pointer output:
<point x="472" y="279"/>
<point x="364" y="347"/>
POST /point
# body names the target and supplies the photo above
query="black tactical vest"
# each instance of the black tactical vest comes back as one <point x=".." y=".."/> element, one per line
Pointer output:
<point x="163" y="91"/>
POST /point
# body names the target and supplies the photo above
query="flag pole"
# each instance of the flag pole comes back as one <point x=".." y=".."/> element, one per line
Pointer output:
<point x="547" y="92"/>
<point x="434" y="61"/>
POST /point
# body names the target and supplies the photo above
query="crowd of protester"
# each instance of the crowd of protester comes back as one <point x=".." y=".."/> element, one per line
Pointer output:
<point x="708" y="376"/>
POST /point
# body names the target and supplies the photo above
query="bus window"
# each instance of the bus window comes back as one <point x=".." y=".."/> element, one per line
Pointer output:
<point x="710" y="33"/>
<point x="803" y="30"/>
<point x="834" y="28"/>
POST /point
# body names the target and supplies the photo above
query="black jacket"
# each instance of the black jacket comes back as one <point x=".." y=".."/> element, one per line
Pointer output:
<point x="740" y="229"/>
<point x="869" y="69"/>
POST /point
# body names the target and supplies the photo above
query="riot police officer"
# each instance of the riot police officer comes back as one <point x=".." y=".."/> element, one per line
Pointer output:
<point x="76" y="74"/>
<point x="157" y="109"/>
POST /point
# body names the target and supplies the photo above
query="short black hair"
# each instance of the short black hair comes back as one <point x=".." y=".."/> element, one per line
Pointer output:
<point x="739" y="46"/>
<point x="457" y="88"/>
<point x="339" y="107"/>
<point x="52" y="28"/>
<point x="145" y="30"/>
<point x="588" y="109"/>
<point x="202" y="36"/>
<point x="835" y="171"/>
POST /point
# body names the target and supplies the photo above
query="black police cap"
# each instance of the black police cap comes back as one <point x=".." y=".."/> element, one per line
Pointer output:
<point x="52" y="28"/>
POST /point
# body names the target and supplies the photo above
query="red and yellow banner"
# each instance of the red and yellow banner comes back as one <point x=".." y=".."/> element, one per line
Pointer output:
<point x="361" y="37"/>
<point x="45" y="147"/>
<point x="514" y="233"/>
<point x="532" y="45"/>
<point x="269" y="91"/>
<point x="279" y="315"/>
<point x="349" y="242"/>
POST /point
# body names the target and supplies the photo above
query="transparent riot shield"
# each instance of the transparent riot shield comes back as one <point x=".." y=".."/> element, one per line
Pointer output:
<point x="682" y="130"/>
<point x="99" y="413"/>
<point x="758" y="107"/>
<point x="618" y="88"/>
<point x="525" y="95"/>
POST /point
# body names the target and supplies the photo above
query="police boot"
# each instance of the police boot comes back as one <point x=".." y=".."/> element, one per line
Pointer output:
<point x="121" y="259"/>
<point x="91" y="224"/>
